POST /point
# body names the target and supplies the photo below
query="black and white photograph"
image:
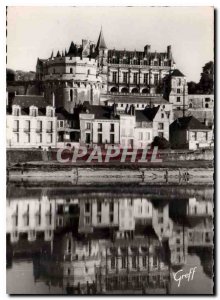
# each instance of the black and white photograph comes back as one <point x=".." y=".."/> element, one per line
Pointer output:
<point x="110" y="145"/>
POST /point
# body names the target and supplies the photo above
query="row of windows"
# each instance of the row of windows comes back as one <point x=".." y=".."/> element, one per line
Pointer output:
<point x="70" y="71"/>
<point x="136" y="78"/>
<point x="100" y="127"/>
<point x="144" y="62"/>
<point x="33" y="112"/>
<point x="134" y="262"/>
<point x="27" y="138"/>
<point x="27" y="126"/>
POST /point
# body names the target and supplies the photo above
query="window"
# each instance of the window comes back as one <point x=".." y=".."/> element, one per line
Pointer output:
<point x="122" y="104"/>
<point x="144" y="261"/>
<point x="88" y="126"/>
<point x="28" y="138"/>
<point x="112" y="127"/>
<point x="165" y="63"/>
<point x="123" y="262"/>
<point x="148" y="135"/>
<point x="16" y="111"/>
<point x="99" y="126"/>
<point x="61" y="124"/>
<point x="125" y="77"/>
<point x="17" y="137"/>
<point x="71" y="95"/>
<point x="99" y="138"/>
<point x="111" y="218"/>
<point x="111" y="206"/>
<point x="160" y="134"/>
<point x="99" y="219"/>
<point x="162" y="115"/>
<point x="155" y="63"/>
<point x="50" y="138"/>
<point x="178" y="91"/>
<point x="207" y="100"/>
<point x="87" y="220"/>
<point x="178" y="241"/>
<point x="16" y="126"/>
<point x="87" y="207"/>
<point x="49" y="126"/>
<point x="179" y="82"/>
<point x="140" y="136"/>
<point x="160" y="126"/>
<point x="193" y="135"/>
<point x="39" y="126"/>
<point x="145" y="62"/>
<point x="134" y="264"/>
<point x="71" y="70"/>
<point x="206" y="105"/>
<point x="54" y="71"/>
<point x="50" y="113"/>
<point x="135" y="62"/>
<point x="99" y="206"/>
<point x="135" y="78"/>
<point x="145" y="78"/>
<point x="112" y="138"/>
<point x="177" y="99"/>
<point x="207" y="136"/>
<point x="114" y="77"/>
<point x="112" y="263"/>
<point x="87" y="138"/>
<point x="33" y="112"/>
<point x="156" y="78"/>
<point x="88" y="72"/>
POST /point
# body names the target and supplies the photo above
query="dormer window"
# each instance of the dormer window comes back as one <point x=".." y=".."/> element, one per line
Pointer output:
<point x="50" y="112"/>
<point x="16" y="111"/>
<point x="165" y="63"/>
<point x="33" y="111"/>
<point x="156" y="63"/>
<point x="135" y="62"/>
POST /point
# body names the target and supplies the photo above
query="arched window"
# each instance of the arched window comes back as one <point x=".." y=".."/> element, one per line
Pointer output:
<point x="135" y="90"/>
<point x="114" y="90"/>
<point x="145" y="91"/>
<point x="124" y="90"/>
<point x="206" y="105"/>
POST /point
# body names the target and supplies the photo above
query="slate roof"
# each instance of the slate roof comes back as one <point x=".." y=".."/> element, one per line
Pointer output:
<point x="26" y="101"/>
<point x="101" y="41"/>
<point x="100" y="112"/>
<point x="188" y="123"/>
<point x="62" y="114"/>
<point x="119" y="54"/>
<point x="177" y="73"/>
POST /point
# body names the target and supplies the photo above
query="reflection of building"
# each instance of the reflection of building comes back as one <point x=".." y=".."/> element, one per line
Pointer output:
<point x="106" y="243"/>
<point x="30" y="219"/>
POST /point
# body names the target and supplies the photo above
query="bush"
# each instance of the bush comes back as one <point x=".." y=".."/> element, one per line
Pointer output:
<point x="160" y="142"/>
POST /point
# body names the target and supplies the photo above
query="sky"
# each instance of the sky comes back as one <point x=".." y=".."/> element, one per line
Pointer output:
<point x="34" y="32"/>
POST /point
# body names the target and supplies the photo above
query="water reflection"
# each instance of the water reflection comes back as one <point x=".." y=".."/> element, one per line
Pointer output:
<point x="95" y="242"/>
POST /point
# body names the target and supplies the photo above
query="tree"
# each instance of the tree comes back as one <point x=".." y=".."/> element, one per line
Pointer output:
<point x="160" y="142"/>
<point x="206" y="83"/>
<point x="192" y="87"/>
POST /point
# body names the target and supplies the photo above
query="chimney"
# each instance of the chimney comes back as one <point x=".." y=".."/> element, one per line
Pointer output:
<point x="169" y="52"/>
<point x="147" y="49"/>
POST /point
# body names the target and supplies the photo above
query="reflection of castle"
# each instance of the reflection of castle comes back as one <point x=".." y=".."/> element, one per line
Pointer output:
<point x="100" y="243"/>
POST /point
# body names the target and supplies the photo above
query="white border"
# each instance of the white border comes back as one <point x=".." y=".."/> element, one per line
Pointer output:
<point x="3" y="4"/>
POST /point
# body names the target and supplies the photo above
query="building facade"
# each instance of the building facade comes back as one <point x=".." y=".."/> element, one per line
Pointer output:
<point x="31" y="123"/>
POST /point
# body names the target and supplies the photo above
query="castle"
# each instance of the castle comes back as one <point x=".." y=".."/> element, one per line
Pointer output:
<point x="92" y="72"/>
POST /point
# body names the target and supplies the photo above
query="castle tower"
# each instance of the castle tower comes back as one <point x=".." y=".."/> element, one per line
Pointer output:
<point x="102" y="52"/>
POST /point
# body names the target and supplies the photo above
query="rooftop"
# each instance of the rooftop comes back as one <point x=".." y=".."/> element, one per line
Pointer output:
<point x="188" y="123"/>
<point x="26" y="101"/>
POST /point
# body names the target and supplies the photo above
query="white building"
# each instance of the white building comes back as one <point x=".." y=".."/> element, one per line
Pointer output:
<point x="31" y="123"/>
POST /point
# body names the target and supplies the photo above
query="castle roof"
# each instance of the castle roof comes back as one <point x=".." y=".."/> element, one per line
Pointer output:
<point x="177" y="73"/>
<point x="101" y="41"/>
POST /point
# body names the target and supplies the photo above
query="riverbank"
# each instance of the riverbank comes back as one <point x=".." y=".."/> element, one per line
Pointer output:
<point x="193" y="172"/>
